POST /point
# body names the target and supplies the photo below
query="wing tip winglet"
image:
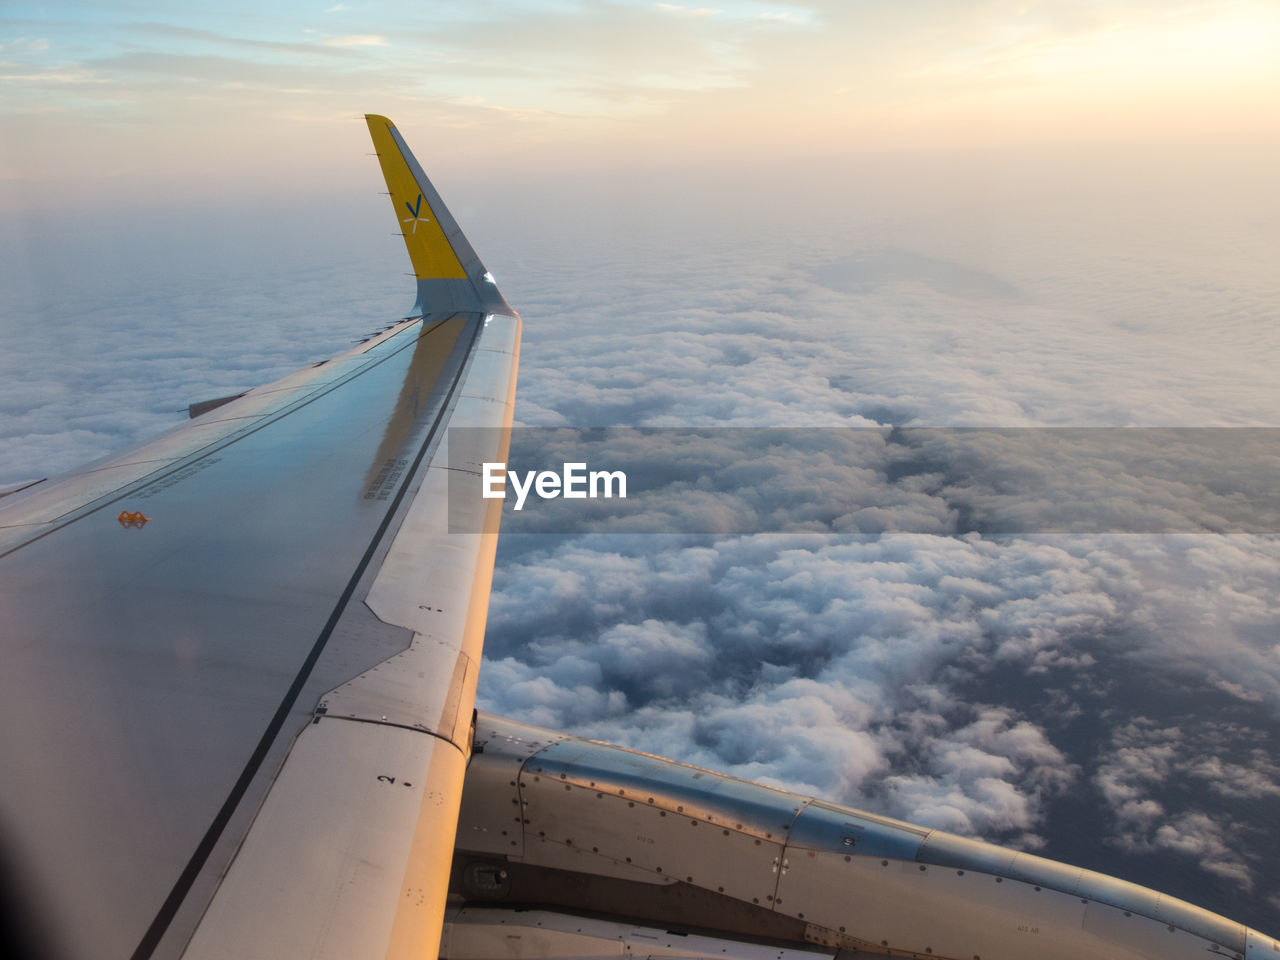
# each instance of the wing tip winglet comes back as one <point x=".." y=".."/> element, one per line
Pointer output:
<point x="449" y="273"/>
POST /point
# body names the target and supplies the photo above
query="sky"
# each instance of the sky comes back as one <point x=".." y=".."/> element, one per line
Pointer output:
<point x="741" y="215"/>
<point x="160" y="95"/>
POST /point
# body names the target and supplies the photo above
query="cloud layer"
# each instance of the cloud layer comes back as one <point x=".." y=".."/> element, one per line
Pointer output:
<point x="984" y="685"/>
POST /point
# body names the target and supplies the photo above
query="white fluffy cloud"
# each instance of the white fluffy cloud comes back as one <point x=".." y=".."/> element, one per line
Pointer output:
<point x="1147" y="762"/>
<point x="825" y="665"/>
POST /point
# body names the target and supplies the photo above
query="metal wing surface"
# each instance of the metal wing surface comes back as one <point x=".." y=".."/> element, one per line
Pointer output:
<point x="256" y="633"/>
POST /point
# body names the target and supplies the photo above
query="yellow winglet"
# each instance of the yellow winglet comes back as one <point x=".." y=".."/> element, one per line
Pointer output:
<point x="432" y="255"/>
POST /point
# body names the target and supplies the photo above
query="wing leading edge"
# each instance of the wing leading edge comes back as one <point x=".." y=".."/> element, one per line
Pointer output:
<point x="239" y="727"/>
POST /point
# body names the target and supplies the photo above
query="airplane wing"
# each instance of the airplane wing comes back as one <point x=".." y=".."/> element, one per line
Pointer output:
<point x="240" y="662"/>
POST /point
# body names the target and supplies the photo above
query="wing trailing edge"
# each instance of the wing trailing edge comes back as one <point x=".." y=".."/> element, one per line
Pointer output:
<point x="450" y="275"/>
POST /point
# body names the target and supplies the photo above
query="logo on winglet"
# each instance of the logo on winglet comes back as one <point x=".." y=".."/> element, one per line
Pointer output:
<point x="414" y="209"/>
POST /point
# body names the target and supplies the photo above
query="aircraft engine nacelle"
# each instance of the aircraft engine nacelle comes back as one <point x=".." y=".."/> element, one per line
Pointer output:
<point x="561" y="823"/>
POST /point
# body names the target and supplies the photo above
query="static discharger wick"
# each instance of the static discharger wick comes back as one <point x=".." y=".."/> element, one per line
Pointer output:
<point x="135" y="519"/>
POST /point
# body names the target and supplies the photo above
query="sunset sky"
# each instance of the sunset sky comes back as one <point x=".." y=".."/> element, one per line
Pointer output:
<point x="247" y="94"/>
